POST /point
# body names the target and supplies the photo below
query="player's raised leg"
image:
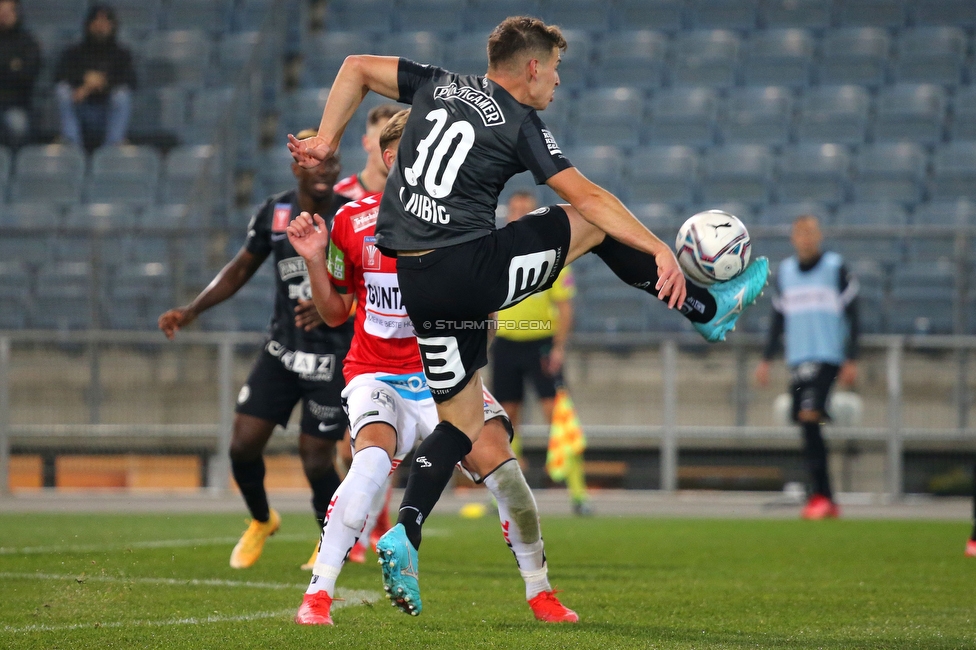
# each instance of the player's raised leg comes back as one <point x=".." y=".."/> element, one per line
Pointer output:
<point x="249" y="437"/>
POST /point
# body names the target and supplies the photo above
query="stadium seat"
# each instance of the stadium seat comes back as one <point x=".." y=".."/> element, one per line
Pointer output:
<point x="189" y="168"/>
<point x="326" y="52"/>
<point x="159" y="115"/>
<point x="885" y="247"/>
<point x="348" y="15"/>
<point x="601" y="164"/>
<point x="857" y="55"/>
<point x="14" y="294"/>
<point x="139" y="293"/>
<point x="151" y="249"/>
<point x="666" y="15"/>
<point x="911" y="113"/>
<point x="661" y="174"/>
<point x="873" y="13"/>
<point x="871" y="302"/>
<point x="6" y="161"/>
<point x="138" y="15"/>
<point x="705" y="58"/>
<point x="29" y="248"/>
<point x="784" y="214"/>
<point x="935" y="55"/>
<point x="811" y="172"/>
<point x="954" y="171"/>
<point x="809" y="14"/>
<point x="682" y="116"/>
<point x="834" y="114"/>
<point x="250" y="15"/>
<point x="432" y="15"/>
<point x="610" y="309"/>
<point x="632" y="58"/>
<point x="209" y="15"/>
<point x="128" y="174"/>
<point x="724" y="14"/>
<point x="574" y="70"/>
<point x="963" y="123"/>
<point x="660" y="218"/>
<point x="737" y="172"/>
<point x="166" y="217"/>
<point x="275" y="175"/>
<point x="757" y="115"/>
<point x="214" y="108"/>
<point x="959" y="13"/>
<point x="63" y="299"/>
<point x="233" y="55"/>
<point x="946" y="213"/>
<point x="176" y="58"/>
<point x="63" y="14"/>
<point x="303" y="110"/>
<point x="424" y="47"/>
<point x="893" y="172"/>
<point x="467" y="53"/>
<point x="28" y="216"/>
<point x="50" y="173"/>
<point x="610" y="116"/>
<point x="113" y="218"/>
<point x="778" y="57"/>
<point x="921" y="298"/>
<point x="589" y="15"/>
<point x="872" y="213"/>
<point x="481" y="16"/>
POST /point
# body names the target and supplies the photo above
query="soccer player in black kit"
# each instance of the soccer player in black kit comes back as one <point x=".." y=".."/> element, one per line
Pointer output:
<point x="301" y="360"/>
<point x="466" y="136"/>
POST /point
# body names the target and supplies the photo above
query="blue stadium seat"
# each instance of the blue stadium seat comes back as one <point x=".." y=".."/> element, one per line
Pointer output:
<point x="885" y="247"/>
<point x="737" y="172"/>
<point x="873" y="13"/>
<point x="857" y="55"/>
<point x="167" y="217"/>
<point x="954" y="171"/>
<point x="810" y="14"/>
<point x="139" y="293"/>
<point x="111" y="218"/>
<point x="128" y="174"/>
<point x="931" y="55"/>
<point x="187" y="167"/>
<point x="660" y="218"/>
<point x="682" y="116"/>
<point x="176" y="58"/>
<point x="326" y="52"/>
<point x="705" y="57"/>
<point x="871" y="302"/>
<point x="921" y="298"/>
<point x="210" y="111"/>
<point x="433" y="15"/>
<point x="666" y="15"/>
<point x="779" y="57"/>
<point x="963" y="123"/>
<point x="209" y="15"/>
<point x="959" y="13"/>
<point x="467" y="53"/>
<point x="159" y="114"/>
<point x="724" y="14"/>
<point x="366" y="15"/>
<point x="739" y="209"/>
<point x="151" y="249"/>
<point x="274" y="171"/>
<point x="589" y="15"/>
<point x="757" y="115"/>
<point x="891" y="171"/>
<point x="14" y="295"/>
<point x="233" y="54"/>
<point x="34" y="248"/>
<point x="424" y="47"/>
<point x="6" y="162"/>
<point x="50" y="173"/>
<point x="811" y="172"/>
<point x="946" y="213"/>
<point x="602" y="164"/>
<point x="138" y="15"/>
<point x="661" y="174"/>
<point x="574" y="70"/>
<point x="632" y="58"/>
<point x="834" y="114"/>
<point x="610" y="116"/>
<point x="609" y="309"/>
<point x="910" y="112"/>
<point x="63" y="299"/>
<point x="873" y="213"/>
<point x="303" y="110"/>
<point x="63" y="14"/>
<point x="784" y="214"/>
<point x="481" y="16"/>
<point x="250" y="15"/>
<point x="40" y="216"/>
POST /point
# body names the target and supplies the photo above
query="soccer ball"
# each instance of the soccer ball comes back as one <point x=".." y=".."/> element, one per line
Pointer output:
<point x="713" y="246"/>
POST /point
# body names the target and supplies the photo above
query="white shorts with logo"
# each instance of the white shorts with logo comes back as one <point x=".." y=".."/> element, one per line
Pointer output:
<point x="404" y="402"/>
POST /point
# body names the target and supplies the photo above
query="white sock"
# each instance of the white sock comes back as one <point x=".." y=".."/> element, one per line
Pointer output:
<point x="520" y="525"/>
<point x="374" y="509"/>
<point x="347" y="516"/>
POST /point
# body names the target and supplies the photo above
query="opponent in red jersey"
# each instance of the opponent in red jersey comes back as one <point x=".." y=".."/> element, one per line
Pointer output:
<point x="390" y="407"/>
<point x="372" y="179"/>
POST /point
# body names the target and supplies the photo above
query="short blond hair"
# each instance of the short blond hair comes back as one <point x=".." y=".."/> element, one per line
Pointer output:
<point x="393" y="130"/>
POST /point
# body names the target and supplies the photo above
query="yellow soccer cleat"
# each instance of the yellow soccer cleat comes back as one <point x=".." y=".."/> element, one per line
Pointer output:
<point x="249" y="548"/>
<point x="308" y="566"/>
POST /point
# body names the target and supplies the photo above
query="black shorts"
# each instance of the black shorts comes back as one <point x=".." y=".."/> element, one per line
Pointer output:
<point x="810" y="384"/>
<point x="272" y="391"/>
<point x="451" y="292"/>
<point x="514" y="363"/>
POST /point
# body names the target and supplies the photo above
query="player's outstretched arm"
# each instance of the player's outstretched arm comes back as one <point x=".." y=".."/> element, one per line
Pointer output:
<point x="358" y="75"/>
<point x="605" y="211"/>
<point x="231" y="278"/>
<point x="309" y="236"/>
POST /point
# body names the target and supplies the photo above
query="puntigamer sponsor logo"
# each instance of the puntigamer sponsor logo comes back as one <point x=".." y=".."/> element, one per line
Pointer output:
<point x="292" y="267"/>
<point x="486" y="105"/>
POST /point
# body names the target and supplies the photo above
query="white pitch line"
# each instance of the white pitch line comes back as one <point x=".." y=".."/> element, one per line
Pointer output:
<point x="352" y="598"/>
<point x="188" y="582"/>
<point x="158" y="543"/>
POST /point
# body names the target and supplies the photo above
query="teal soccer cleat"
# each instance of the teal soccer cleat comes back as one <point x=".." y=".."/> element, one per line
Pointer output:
<point x="399" y="560"/>
<point x="731" y="297"/>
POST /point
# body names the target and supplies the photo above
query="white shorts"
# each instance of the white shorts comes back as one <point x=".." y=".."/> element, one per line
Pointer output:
<point x="404" y="402"/>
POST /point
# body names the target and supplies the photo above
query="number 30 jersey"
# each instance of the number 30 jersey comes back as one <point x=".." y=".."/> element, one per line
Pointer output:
<point x="466" y="136"/>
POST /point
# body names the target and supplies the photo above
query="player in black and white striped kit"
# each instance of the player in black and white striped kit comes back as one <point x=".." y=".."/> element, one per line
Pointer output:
<point x="466" y="136"/>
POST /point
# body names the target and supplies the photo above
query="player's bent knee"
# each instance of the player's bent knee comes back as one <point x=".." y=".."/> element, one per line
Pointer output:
<point x="377" y="434"/>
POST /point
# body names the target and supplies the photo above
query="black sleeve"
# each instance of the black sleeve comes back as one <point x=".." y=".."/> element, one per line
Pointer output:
<point x="849" y="288"/>
<point x="258" y="240"/>
<point x="124" y="70"/>
<point x="776" y="328"/>
<point x="68" y="69"/>
<point x="32" y="61"/>
<point x="538" y="150"/>
<point x="412" y="75"/>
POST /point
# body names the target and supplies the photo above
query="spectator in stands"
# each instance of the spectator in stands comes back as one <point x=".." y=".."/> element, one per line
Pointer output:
<point x="20" y="60"/>
<point x="95" y="82"/>
<point x="536" y="354"/>
<point x="372" y="179"/>
<point x="815" y="305"/>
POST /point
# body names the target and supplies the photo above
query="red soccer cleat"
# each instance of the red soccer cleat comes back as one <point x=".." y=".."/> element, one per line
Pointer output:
<point x="547" y="607"/>
<point x="357" y="553"/>
<point x="820" y="507"/>
<point x="971" y="548"/>
<point x="315" y="609"/>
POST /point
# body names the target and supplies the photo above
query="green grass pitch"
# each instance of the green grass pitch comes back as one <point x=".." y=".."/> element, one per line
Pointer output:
<point x="162" y="581"/>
